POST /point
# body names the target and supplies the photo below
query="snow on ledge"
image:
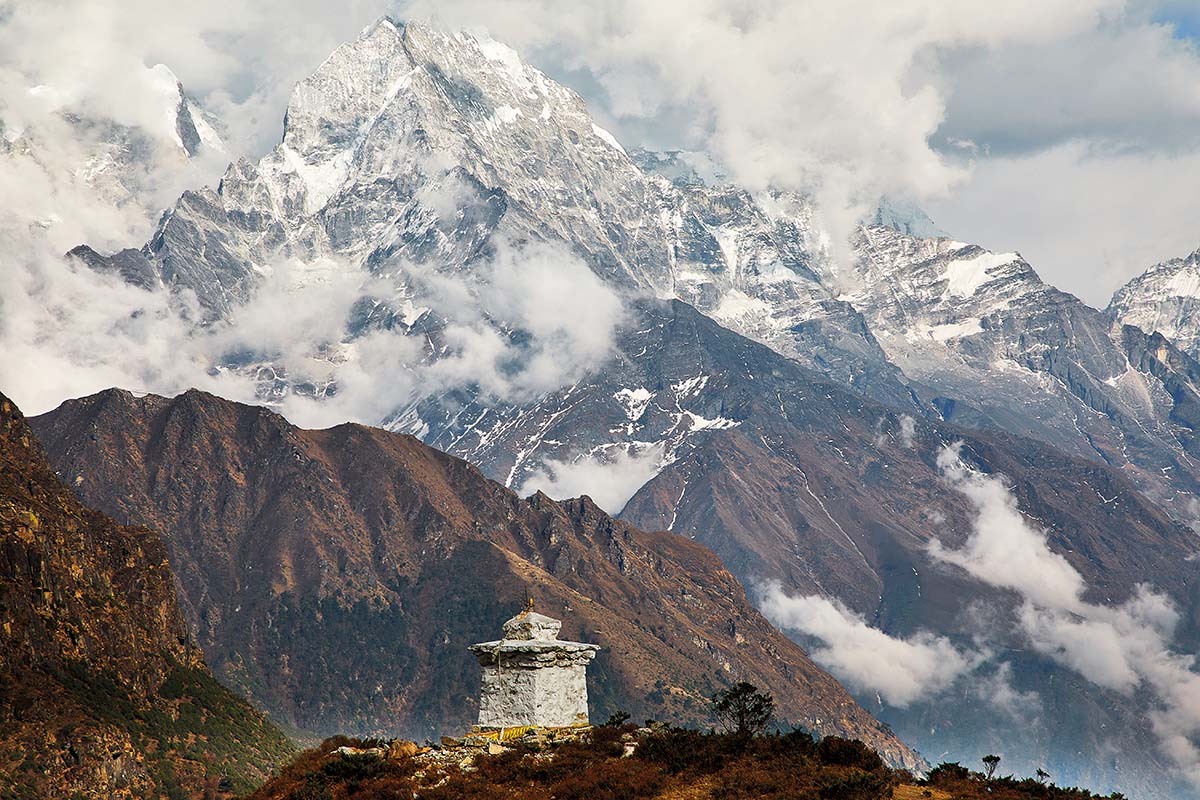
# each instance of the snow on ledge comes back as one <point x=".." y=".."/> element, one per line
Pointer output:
<point x="608" y="138"/>
<point x="965" y="276"/>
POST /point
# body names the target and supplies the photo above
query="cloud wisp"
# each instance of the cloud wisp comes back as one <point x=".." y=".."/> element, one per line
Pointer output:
<point x="1123" y="648"/>
<point x="901" y="670"/>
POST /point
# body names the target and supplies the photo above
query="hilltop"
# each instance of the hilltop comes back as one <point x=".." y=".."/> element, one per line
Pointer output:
<point x="665" y="764"/>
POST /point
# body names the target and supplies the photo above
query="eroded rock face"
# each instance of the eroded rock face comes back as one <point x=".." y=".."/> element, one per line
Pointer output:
<point x="532" y="678"/>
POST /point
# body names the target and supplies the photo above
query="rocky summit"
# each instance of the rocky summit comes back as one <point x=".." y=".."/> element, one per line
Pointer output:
<point x="1165" y="299"/>
<point x="102" y="693"/>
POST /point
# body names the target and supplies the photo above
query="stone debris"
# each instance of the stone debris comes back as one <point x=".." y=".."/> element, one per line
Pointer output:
<point x="403" y="749"/>
<point x="374" y="752"/>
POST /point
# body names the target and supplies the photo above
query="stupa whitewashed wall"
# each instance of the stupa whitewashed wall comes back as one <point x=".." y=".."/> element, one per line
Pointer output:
<point x="530" y="677"/>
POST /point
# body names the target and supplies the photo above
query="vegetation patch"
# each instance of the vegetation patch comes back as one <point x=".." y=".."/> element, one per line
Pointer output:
<point x="620" y="761"/>
<point x="193" y="722"/>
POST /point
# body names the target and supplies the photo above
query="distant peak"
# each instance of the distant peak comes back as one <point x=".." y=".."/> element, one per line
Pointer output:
<point x="681" y="167"/>
<point x="905" y="216"/>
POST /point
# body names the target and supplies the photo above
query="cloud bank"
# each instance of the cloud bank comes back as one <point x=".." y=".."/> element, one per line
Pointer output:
<point x="902" y="671"/>
<point x="530" y="320"/>
<point x="1124" y="648"/>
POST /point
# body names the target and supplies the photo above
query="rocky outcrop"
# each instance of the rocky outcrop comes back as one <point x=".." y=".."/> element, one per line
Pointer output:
<point x="102" y="693"/>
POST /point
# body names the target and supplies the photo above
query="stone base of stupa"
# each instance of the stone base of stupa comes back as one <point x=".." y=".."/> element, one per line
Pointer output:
<point x="531" y="678"/>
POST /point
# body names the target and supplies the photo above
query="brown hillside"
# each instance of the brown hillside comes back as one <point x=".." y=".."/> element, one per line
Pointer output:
<point x="101" y="692"/>
<point x="337" y="576"/>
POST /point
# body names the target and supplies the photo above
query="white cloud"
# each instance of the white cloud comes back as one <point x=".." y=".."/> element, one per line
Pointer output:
<point x="66" y="330"/>
<point x="609" y="477"/>
<point x="1090" y="86"/>
<point x="902" y="671"/>
<point x="542" y="290"/>
<point x="905" y="433"/>
<point x="1123" y="648"/>
<point x="1018" y="559"/>
<point x="1087" y="220"/>
<point x="87" y="331"/>
<point x="242" y="58"/>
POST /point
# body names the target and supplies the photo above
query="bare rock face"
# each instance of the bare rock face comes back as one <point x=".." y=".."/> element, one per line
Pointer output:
<point x="532" y="678"/>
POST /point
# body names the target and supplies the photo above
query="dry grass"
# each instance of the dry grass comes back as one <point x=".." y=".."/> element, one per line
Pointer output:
<point x="700" y="789"/>
<point x="908" y="791"/>
<point x="673" y="764"/>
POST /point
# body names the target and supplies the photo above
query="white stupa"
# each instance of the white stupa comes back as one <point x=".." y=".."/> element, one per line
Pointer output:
<point x="532" y="678"/>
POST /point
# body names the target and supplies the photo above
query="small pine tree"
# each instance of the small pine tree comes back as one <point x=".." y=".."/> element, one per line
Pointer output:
<point x="990" y="762"/>
<point x="616" y="719"/>
<point x="743" y="710"/>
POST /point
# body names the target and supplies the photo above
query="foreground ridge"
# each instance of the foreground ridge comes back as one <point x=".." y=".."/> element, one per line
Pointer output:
<point x="629" y="763"/>
<point x="102" y="693"/>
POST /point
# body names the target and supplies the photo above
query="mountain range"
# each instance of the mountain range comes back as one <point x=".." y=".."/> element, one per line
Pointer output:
<point x="752" y="390"/>
<point x="415" y="146"/>
<point x="338" y="576"/>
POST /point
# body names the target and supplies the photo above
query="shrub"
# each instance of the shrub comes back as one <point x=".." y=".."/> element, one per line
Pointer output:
<point x="948" y="772"/>
<point x="848" y="753"/>
<point x="857" y="785"/>
<point x="622" y="779"/>
<point x="679" y="749"/>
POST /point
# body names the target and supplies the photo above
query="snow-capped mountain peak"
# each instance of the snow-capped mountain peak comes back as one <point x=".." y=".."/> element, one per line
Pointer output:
<point x="1164" y="299"/>
<point x="414" y="143"/>
<point x="426" y="147"/>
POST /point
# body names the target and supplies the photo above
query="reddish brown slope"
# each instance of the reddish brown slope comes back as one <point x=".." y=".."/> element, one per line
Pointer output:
<point x="338" y="575"/>
<point x="101" y="694"/>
